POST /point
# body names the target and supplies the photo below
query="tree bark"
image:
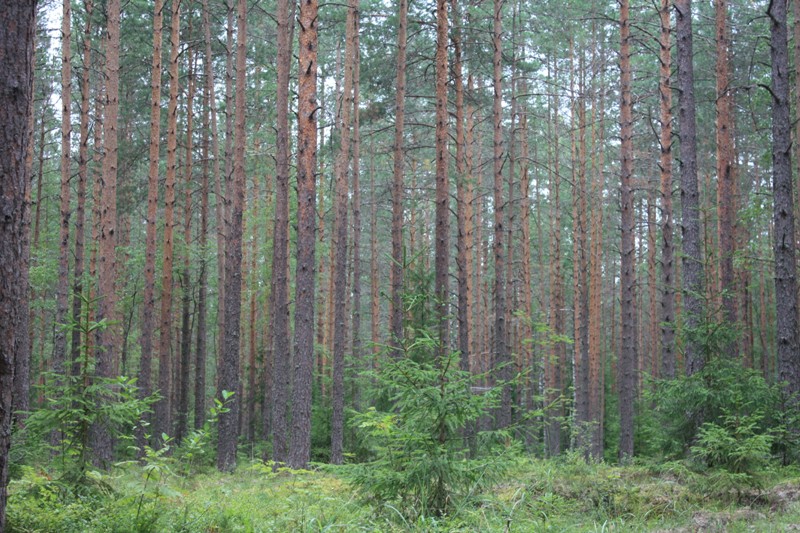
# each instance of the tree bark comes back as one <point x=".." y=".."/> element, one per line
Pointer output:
<point x="692" y="263"/>
<point x="300" y="449"/>
<point x="16" y="105"/>
<point x="783" y="219"/>
<point x="627" y="357"/>
<point x="229" y="367"/>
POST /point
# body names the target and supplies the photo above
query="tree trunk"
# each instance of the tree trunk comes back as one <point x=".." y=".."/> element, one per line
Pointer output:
<point x="300" y="449"/>
<point x="398" y="261"/>
<point x="784" y="247"/>
<point x="356" y="191"/>
<point x="229" y="367"/>
<point x="281" y="371"/>
<point x="149" y="301"/>
<point x="62" y="290"/>
<point x="16" y="105"/>
<point x="726" y="175"/>
<point x="667" y="317"/>
<point x="107" y="338"/>
<point x="164" y="407"/>
<point x="627" y="357"/>
<point x="692" y="263"/>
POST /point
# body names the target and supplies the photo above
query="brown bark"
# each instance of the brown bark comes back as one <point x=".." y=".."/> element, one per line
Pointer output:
<point x="281" y="372"/>
<point x="106" y="339"/>
<point x="691" y="265"/>
<point x="300" y="449"/>
<point x="783" y="219"/>
<point x="667" y="316"/>
<point x="62" y="289"/>
<point x="375" y="309"/>
<point x="149" y="301"/>
<point x="396" y="307"/>
<point x="83" y="175"/>
<point x="501" y="358"/>
<point x="164" y="407"/>
<point x="356" y="190"/>
<point x="627" y="357"/>
<point x="726" y="175"/>
<point x="442" y="233"/>
<point x="16" y="104"/>
<point x="229" y="362"/>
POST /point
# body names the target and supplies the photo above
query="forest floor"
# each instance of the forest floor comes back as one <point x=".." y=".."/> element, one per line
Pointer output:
<point x="534" y="495"/>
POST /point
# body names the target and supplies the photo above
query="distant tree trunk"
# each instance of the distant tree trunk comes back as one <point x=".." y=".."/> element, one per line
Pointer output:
<point x="281" y="371"/>
<point x="726" y="175"/>
<point x="340" y="238"/>
<point x="442" y="236"/>
<point x="784" y="248"/>
<point x="182" y="379"/>
<point x="149" y="301"/>
<point x="462" y="178"/>
<point x="692" y="264"/>
<point x="396" y="315"/>
<point x="202" y="278"/>
<point x="229" y="367"/>
<point x="107" y="339"/>
<point x="62" y="289"/>
<point x="375" y="309"/>
<point x="627" y="358"/>
<point x="16" y="105"/>
<point x="83" y="175"/>
<point x="300" y="449"/>
<point x="667" y="317"/>
<point x="501" y="360"/>
<point x="164" y="407"/>
<point x="554" y="362"/>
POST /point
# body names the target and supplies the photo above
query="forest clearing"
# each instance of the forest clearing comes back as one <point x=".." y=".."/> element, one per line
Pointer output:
<point x="442" y="265"/>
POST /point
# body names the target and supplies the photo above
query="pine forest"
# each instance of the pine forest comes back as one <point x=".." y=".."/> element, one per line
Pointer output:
<point x="371" y="265"/>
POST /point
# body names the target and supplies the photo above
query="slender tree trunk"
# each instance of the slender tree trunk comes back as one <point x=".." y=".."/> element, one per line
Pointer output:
<point x="627" y="357"/>
<point x="396" y="314"/>
<point x="164" y="407"/>
<point x="375" y="309"/>
<point x="182" y="379"/>
<point x="281" y="371"/>
<point x="340" y="238"/>
<point x="16" y="105"/>
<point x="149" y="301"/>
<point x="501" y="359"/>
<point x="62" y="289"/>
<point x="784" y="248"/>
<point x="300" y="449"/>
<point x="229" y="367"/>
<point x="667" y="317"/>
<point x="692" y="263"/>
<point x="83" y="175"/>
<point x="107" y="339"/>
<point x="356" y="191"/>
<point x="726" y="175"/>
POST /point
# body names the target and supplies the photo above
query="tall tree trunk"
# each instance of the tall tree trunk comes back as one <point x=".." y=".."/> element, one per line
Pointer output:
<point x="356" y="191"/>
<point x="164" y="407"/>
<point x="627" y="357"/>
<point x="83" y="175"/>
<point x="300" y="449"/>
<point x="667" y="317"/>
<point x="784" y="247"/>
<point x="149" y="301"/>
<point x="281" y="371"/>
<point x="442" y="247"/>
<point x="501" y="360"/>
<point x="107" y="338"/>
<point x="692" y="264"/>
<point x="396" y="313"/>
<point x="726" y="175"/>
<point x="229" y="367"/>
<point x="375" y="309"/>
<point x="182" y="379"/>
<point x="62" y="289"/>
<point x="339" y="273"/>
<point x="16" y="105"/>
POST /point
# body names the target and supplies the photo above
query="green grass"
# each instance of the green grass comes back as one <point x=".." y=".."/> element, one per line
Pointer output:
<point x="566" y="494"/>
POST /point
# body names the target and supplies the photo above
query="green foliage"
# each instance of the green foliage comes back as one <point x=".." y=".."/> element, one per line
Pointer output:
<point x="421" y="466"/>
